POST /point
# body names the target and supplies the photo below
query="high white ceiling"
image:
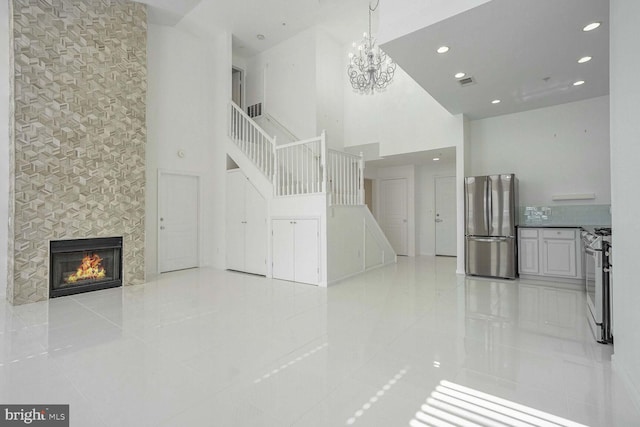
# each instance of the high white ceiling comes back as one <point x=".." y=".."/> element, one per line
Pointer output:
<point x="446" y="156"/>
<point x="523" y="52"/>
<point x="277" y="20"/>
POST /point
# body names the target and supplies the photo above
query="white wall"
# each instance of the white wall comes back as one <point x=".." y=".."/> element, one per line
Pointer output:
<point x="625" y="154"/>
<point x="357" y="243"/>
<point x="329" y="92"/>
<point x="187" y="111"/>
<point x="403" y="119"/>
<point x="425" y="203"/>
<point x="4" y="143"/>
<point x="283" y="78"/>
<point x="556" y="150"/>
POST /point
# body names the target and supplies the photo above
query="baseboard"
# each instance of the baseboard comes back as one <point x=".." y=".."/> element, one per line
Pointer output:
<point x="622" y="372"/>
<point x="554" y="282"/>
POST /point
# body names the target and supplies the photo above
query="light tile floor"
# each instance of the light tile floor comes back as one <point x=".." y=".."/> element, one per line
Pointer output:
<point x="409" y="344"/>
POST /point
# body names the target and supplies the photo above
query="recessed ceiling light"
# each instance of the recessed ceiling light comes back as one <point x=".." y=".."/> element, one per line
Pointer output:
<point x="496" y="101"/>
<point x="591" y="26"/>
<point x="584" y="59"/>
<point x="260" y="36"/>
<point x="435" y="159"/>
<point x="443" y="49"/>
<point x="578" y="83"/>
<point x="459" y="75"/>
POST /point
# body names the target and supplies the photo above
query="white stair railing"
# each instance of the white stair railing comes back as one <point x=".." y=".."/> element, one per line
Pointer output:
<point x="300" y="167"/>
<point x="345" y="178"/>
<point x="252" y="140"/>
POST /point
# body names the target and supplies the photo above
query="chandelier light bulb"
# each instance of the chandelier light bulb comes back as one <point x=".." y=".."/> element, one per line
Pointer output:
<point x="350" y="54"/>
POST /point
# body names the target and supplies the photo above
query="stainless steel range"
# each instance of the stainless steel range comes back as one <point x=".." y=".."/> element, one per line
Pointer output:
<point x="597" y="252"/>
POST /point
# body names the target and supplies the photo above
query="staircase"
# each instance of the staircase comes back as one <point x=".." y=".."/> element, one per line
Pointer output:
<point x="305" y="179"/>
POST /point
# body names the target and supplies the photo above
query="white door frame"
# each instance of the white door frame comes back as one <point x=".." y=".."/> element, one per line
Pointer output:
<point x="243" y="90"/>
<point x="198" y="208"/>
<point x="435" y="211"/>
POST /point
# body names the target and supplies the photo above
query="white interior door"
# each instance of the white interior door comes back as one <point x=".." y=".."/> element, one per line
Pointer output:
<point x="306" y="253"/>
<point x="255" y="236"/>
<point x="393" y="213"/>
<point x="282" y="249"/>
<point x="236" y="220"/>
<point x="178" y="204"/>
<point x="445" y="215"/>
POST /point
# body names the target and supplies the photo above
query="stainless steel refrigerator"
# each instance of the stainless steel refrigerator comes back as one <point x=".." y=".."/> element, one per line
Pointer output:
<point x="490" y="225"/>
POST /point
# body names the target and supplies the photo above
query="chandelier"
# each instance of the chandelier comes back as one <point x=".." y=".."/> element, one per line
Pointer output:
<point x="369" y="67"/>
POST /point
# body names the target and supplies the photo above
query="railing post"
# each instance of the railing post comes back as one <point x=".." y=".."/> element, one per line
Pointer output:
<point x="323" y="160"/>
<point x="274" y="165"/>
<point x="361" y="175"/>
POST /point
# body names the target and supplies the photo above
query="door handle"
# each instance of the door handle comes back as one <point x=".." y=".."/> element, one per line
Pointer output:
<point x="161" y="227"/>
<point x="438" y="220"/>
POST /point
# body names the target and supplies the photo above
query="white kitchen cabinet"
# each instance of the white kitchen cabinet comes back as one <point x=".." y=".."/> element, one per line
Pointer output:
<point x="295" y="250"/>
<point x="551" y="253"/>
<point x="246" y="225"/>
<point x="529" y="259"/>
<point x="559" y="257"/>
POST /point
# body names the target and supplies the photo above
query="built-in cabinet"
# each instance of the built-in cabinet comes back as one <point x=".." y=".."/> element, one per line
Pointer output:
<point x="550" y="252"/>
<point x="246" y="225"/>
<point x="295" y="250"/>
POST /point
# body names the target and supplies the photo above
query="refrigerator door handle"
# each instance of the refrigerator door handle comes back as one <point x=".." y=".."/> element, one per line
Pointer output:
<point x="487" y="225"/>
<point x="490" y="201"/>
<point x="490" y="239"/>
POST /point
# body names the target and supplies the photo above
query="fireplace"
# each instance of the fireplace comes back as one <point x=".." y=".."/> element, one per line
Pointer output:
<point x="84" y="265"/>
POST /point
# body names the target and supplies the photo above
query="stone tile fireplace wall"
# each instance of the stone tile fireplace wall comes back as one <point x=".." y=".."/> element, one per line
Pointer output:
<point x="77" y="133"/>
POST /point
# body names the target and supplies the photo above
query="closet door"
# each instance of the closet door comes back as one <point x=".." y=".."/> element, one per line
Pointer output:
<point x="255" y="236"/>
<point x="236" y="182"/>
<point x="306" y="251"/>
<point x="282" y="249"/>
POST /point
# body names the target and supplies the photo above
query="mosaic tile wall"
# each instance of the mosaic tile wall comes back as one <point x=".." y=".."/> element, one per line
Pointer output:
<point x="566" y="215"/>
<point x="78" y="133"/>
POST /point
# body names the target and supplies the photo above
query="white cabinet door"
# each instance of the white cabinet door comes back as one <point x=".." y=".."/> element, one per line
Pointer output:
<point x="246" y="225"/>
<point x="295" y="253"/>
<point x="529" y="256"/>
<point x="282" y="242"/>
<point x="235" y="220"/>
<point x="306" y="251"/>
<point x="255" y="235"/>
<point x="559" y="257"/>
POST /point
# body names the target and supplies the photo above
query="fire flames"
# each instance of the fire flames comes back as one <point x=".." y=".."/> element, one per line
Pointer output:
<point x="89" y="269"/>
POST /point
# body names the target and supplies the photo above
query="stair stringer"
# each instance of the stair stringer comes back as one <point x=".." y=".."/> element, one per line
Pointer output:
<point x="258" y="179"/>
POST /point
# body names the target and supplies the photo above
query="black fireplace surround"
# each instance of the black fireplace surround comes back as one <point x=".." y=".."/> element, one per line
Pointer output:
<point x="84" y="265"/>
